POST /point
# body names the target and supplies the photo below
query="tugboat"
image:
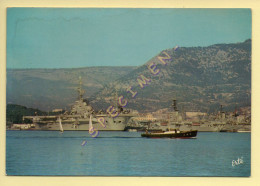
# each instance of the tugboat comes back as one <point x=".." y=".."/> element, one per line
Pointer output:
<point x="171" y="134"/>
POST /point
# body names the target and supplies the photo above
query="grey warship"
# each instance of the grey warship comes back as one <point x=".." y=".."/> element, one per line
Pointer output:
<point x="176" y="121"/>
<point x="77" y="119"/>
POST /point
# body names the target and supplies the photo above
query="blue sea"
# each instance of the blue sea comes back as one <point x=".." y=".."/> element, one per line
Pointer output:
<point x="126" y="154"/>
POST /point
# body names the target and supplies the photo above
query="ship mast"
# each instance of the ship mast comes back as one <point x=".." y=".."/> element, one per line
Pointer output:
<point x="116" y="99"/>
<point x="80" y="90"/>
<point x="174" y="105"/>
<point x="169" y="122"/>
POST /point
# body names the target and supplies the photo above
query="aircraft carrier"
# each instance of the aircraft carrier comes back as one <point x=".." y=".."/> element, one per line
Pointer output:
<point x="78" y="118"/>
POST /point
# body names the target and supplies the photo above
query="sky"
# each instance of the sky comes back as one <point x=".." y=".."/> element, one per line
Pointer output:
<point x="83" y="37"/>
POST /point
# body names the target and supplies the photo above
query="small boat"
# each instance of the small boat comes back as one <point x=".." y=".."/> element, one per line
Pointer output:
<point x="171" y="134"/>
<point x="244" y="130"/>
<point x="132" y="130"/>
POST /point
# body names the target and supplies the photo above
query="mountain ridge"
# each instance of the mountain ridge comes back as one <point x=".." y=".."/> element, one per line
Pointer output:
<point x="200" y="78"/>
<point x="196" y="69"/>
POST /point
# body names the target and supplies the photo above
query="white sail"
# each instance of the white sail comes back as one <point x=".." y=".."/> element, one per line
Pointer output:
<point x="91" y="128"/>
<point x="61" y="128"/>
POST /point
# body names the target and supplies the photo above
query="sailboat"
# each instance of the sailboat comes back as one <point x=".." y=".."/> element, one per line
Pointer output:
<point x="91" y="128"/>
<point x="61" y="128"/>
<point x="94" y="133"/>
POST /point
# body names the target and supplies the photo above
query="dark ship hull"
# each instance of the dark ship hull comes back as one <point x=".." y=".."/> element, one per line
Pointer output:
<point x="171" y="134"/>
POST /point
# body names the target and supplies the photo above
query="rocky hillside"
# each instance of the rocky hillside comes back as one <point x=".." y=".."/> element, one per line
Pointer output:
<point x="200" y="78"/>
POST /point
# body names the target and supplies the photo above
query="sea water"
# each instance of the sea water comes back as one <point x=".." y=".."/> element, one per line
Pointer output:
<point x="126" y="154"/>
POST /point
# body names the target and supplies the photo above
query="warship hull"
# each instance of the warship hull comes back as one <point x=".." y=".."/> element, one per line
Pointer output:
<point x="201" y="128"/>
<point x="110" y="124"/>
<point x="83" y="127"/>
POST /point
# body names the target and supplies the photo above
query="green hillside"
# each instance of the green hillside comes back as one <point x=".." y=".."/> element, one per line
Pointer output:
<point x="15" y="113"/>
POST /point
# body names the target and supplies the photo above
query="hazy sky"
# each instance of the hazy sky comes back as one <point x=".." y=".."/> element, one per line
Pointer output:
<point x="69" y="38"/>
